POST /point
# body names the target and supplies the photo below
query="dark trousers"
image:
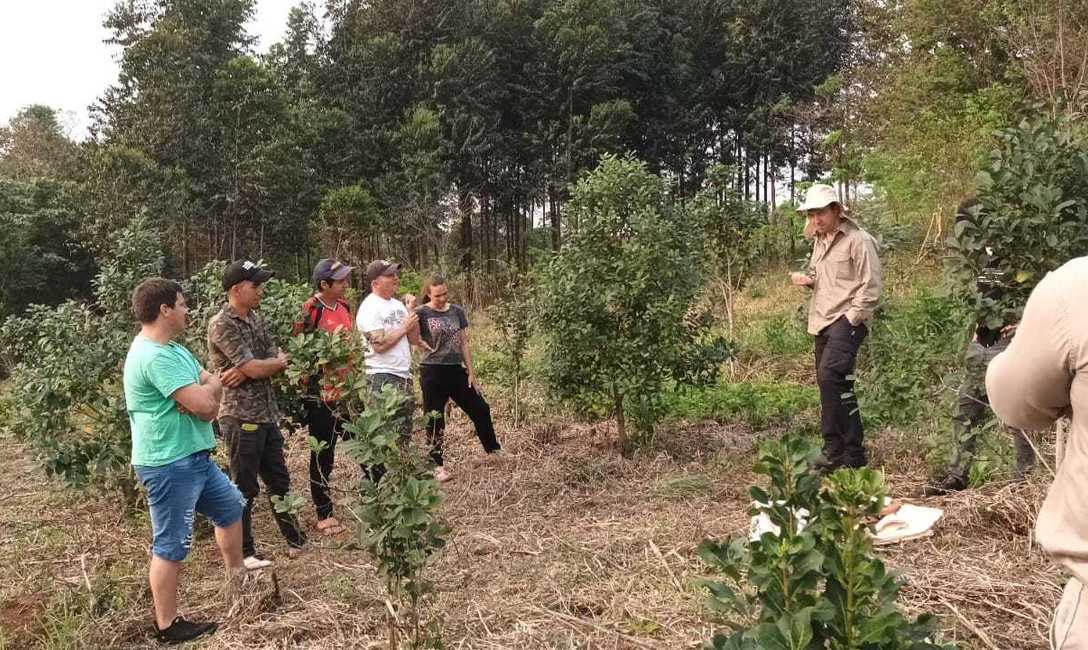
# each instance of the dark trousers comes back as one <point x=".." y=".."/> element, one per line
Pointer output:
<point x="256" y="449"/>
<point x="326" y="427"/>
<point x="840" y="419"/>
<point x="972" y="409"/>
<point x="441" y="383"/>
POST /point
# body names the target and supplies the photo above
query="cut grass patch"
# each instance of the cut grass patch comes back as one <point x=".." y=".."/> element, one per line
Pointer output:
<point x="683" y="485"/>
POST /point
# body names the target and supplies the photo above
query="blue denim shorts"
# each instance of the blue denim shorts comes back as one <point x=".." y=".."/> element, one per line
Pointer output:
<point x="178" y="490"/>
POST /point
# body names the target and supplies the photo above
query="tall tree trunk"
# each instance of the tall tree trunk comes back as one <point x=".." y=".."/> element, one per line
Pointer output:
<point x="185" y="248"/>
<point x="465" y="205"/>
<point x="774" y="190"/>
<point x="793" y="161"/>
<point x="737" y="165"/>
<point x="553" y="209"/>
<point x="485" y="222"/>
<point x="747" y="175"/>
<point x="621" y="422"/>
<point x="756" y="178"/>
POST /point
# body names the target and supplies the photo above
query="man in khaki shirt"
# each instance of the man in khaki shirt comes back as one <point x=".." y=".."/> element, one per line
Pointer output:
<point x="1037" y="380"/>
<point x="845" y="278"/>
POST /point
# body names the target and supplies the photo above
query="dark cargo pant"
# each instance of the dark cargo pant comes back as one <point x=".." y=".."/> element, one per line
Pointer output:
<point x="972" y="407"/>
<point x="840" y="419"/>
<point x="256" y="449"/>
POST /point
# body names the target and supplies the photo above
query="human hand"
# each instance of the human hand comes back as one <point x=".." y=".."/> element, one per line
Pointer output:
<point x="281" y="356"/>
<point x="410" y="301"/>
<point x="473" y="383"/>
<point x="410" y="321"/>
<point x="801" y="279"/>
<point x="232" y="378"/>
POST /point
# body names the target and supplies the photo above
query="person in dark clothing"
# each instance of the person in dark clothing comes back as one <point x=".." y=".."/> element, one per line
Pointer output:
<point x="325" y="311"/>
<point x="972" y="404"/>
<point x="446" y="372"/>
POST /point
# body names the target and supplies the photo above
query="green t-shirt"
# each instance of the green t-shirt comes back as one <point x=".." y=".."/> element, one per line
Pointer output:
<point x="160" y="433"/>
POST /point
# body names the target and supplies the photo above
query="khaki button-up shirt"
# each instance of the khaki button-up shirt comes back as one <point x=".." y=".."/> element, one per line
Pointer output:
<point x="847" y="278"/>
<point x="1041" y="377"/>
<point x="232" y="341"/>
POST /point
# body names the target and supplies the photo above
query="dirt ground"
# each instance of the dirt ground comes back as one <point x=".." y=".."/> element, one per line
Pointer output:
<point x="563" y="545"/>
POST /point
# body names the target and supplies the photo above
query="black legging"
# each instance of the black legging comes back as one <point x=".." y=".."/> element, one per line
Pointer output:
<point x="441" y="383"/>
<point x="326" y="427"/>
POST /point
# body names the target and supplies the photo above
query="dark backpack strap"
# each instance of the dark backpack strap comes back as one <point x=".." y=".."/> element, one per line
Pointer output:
<point x="320" y="308"/>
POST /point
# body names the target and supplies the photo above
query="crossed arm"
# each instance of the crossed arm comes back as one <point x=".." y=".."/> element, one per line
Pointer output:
<point x="200" y="399"/>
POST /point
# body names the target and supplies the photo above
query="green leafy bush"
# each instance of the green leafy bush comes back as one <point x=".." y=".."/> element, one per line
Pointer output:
<point x="611" y="304"/>
<point x="759" y="404"/>
<point x="512" y="316"/>
<point x="816" y="582"/>
<point x="397" y="517"/>
<point x="915" y="343"/>
<point x="777" y="336"/>
<point x="1032" y="215"/>
<point x="65" y="396"/>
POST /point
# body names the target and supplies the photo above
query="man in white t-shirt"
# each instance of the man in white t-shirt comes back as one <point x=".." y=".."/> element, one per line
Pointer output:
<point x="390" y="329"/>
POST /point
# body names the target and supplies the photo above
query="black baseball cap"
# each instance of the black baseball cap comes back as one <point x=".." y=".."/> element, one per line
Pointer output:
<point x="243" y="270"/>
<point x="379" y="268"/>
<point x="329" y="269"/>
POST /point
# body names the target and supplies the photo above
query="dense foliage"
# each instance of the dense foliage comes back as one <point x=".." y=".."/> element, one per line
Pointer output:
<point x="1032" y="216"/>
<point x="613" y="305"/>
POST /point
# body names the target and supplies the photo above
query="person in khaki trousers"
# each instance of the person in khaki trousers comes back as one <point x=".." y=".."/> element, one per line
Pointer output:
<point x="1043" y="376"/>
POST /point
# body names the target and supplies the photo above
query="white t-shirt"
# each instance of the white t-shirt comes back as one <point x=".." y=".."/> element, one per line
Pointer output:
<point x="377" y="313"/>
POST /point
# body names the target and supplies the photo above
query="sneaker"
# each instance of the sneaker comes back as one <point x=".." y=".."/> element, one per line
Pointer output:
<point x="948" y="484"/>
<point x="254" y="562"/>
<point x="441" y="475"/>
<point x="182" y="630"/>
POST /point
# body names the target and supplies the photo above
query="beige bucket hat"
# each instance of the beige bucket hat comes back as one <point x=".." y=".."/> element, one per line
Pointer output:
<point x="819" y="196"/>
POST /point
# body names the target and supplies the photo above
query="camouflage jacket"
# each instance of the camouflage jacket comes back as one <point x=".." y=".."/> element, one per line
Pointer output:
<point x="232" y="341"/>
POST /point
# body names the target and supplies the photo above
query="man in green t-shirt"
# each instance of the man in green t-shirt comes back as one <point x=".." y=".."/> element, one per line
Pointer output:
<point x="171" y="402"/>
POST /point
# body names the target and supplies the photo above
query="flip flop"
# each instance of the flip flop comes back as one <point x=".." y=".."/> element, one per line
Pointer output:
<point x="331" y="527"/>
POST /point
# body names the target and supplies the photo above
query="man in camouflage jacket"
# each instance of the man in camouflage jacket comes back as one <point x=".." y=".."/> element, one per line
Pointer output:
<point x="240" y="347"/>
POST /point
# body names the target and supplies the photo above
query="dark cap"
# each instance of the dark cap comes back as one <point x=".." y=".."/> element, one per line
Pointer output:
<point x="243" y="270"/>
<point x="380" y="267"/>
<point x="328" y="269"/>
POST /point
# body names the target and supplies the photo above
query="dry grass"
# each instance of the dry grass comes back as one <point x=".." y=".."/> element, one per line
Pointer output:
<point x="565" y="545"/>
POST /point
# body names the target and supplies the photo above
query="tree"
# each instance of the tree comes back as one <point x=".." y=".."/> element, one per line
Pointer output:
<point x="729" y="226"/>
<point x="612" y="302"/>
<point x="33" y="145"/>
<point x="41" y="259"/>
<point x="1032" y="216"/>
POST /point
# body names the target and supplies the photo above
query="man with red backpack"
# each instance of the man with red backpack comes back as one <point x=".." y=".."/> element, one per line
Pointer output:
<point x="325" y="311"/>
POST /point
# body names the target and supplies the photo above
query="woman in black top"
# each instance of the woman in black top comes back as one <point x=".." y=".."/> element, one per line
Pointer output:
<point x="446" y="372"/>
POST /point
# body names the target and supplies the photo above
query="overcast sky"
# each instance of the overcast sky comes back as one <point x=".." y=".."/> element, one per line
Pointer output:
<point x="52" y="53"/>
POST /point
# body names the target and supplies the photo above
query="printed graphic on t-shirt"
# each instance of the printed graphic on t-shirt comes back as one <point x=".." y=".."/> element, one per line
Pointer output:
<point x="393" y="318"/>
<point x="444" y="331"/>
